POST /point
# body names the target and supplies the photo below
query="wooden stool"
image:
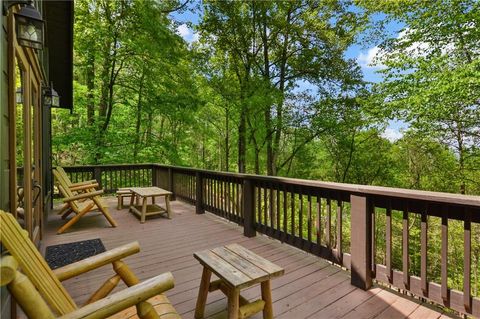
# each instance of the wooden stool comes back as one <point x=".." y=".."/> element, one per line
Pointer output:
<point x="121" y="193"/>
<point x="237" y="268"/>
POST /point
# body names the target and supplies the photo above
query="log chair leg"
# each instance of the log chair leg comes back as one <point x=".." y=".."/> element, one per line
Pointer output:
<point x="167" y="203"/>
<point x="233" y="303"/>
<point x="144" y="309"/>
<point x="202" y="293"/>
<point x="75" y="218"/>
<point x="144" y="210"/>
<point x="66" y="213"/>
<point x="105" y="289"/>
<point x="132" y="199"/>
<point x="119" y="202"/>
<point x="63" y="209"/>
<point x="267" y="297"/>
<point x="104" y="211"/>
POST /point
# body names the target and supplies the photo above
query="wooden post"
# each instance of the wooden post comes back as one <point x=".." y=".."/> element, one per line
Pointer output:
<point x="170" y="183"/>
<point x="361" y="247"/>
<point x="199" y="193"/>
<point x="248" y="205"/>
<point x="97" y="174"/>
<point x="154" y="176"/>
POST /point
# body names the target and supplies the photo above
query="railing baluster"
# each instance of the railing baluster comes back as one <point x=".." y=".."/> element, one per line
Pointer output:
<point x="467" y="260"/>
<point x="329" y="223"/>
<point x="405" y="250"/>
<point x="292" y="214"/>
<point x="270" y="208"/>
<point x="300" y="218"/>
<point x="285" y="217"/>
<point x="319" y="221"/>
<point x="265" y="206"/>
<point x="277" y="192"/>
<point x="309" y="225"/>
<point x="424" y="251"/>
<point x="388" y="241"/>
<point x="339" y="230"/>
<point x="444" y="267"/>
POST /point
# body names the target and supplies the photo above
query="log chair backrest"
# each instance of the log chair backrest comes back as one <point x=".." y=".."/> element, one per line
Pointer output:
<point x="64" y="175"/>
<point x="33" y="265"/>
<point x="64" y="189"/>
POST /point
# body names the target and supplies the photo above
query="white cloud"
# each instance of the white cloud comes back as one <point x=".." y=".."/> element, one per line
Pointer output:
<point x="187" y="34"/>
<point x="369" y="59"/>
<point x="392" y="134"/>
<point x="183" y="30"/>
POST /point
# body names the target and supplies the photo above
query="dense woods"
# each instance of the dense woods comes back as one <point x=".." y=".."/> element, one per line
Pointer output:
<point x="269" y="88"/>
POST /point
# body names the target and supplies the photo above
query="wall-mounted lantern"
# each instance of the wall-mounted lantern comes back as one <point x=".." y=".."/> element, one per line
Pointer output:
<point x="50" y="97"/>
<point x="29" y="24"/>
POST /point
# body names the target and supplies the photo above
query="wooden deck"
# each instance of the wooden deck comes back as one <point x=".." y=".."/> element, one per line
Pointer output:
<point x="310" y="288"/>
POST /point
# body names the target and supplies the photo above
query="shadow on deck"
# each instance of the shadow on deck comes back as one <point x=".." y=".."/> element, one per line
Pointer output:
<point x="310" y="288"/>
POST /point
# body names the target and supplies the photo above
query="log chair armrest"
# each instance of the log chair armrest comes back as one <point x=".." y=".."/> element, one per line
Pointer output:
<point x="92" y="181"/>
<point x="82" y="196"/>
<point x="83" y="187"/>
<point x="96" y="261"/>
<point x="124" y="299"/>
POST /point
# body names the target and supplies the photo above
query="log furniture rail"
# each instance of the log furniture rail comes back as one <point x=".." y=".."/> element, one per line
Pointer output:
<point x="385" y="225"/>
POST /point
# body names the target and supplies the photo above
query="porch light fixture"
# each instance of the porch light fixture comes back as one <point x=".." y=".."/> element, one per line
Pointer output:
<point x="19" y="96"/>
<point x="51" y="97"/>
<point x="29" y="27"/>
<point x="29" y="24"/>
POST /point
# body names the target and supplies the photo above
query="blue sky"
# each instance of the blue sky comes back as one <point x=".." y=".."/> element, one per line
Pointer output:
<point x="363" y="52"/>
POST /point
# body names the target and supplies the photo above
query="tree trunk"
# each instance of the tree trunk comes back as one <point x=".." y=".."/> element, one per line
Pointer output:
<point x="242" y="139"/>
<point x="227" y="140"/>
<point x="136" y="145"/>
<point x="90" y="81"/>
<point x="267" y="112"/>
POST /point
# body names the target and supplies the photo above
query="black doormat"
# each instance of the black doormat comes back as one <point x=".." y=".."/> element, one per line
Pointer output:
<point x="64" y="254"/>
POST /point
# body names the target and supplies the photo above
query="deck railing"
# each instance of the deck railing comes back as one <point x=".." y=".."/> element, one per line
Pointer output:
<point x="378" y="233"/>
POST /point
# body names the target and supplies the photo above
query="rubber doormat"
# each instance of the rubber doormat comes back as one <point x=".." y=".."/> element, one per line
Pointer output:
<point x="64" y="254"/>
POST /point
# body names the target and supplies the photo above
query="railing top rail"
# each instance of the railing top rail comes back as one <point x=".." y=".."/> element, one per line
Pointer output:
<point x="438" y="197"/>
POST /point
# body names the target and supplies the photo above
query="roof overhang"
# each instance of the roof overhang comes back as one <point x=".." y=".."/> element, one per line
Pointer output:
<point x="59" y="40"/>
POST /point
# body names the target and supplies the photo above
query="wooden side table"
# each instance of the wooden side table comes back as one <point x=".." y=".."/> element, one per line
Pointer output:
<point x="237" y="268"/>
<point x="144" y="210"/>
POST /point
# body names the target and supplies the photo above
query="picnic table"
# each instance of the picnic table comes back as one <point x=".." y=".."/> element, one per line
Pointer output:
<point x="237" y="268"/>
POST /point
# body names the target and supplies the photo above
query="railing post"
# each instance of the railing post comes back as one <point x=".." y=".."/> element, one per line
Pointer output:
<point x="199" y="193"/>
<point x="361" y="245"/>
<point x="170" y="183"/>
<point x="97" y="174"/>
<point x="154" y="176"/>
<point x="248" y="204"/>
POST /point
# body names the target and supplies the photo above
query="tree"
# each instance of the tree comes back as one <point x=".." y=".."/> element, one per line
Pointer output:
<point x="431" y="74"/>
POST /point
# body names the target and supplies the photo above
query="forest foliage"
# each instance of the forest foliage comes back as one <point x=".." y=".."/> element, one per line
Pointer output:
<point x="267" y="88"/>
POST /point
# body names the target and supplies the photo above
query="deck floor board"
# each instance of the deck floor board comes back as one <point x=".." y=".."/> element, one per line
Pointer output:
<point x="310" y="288"/>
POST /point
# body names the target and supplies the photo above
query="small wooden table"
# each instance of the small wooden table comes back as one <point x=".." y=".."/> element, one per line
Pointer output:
<point x="145" y="210"/>
<point x="236" y="268"/>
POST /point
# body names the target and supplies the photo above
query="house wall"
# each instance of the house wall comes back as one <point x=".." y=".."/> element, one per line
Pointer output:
<point x="4" y="164"/>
